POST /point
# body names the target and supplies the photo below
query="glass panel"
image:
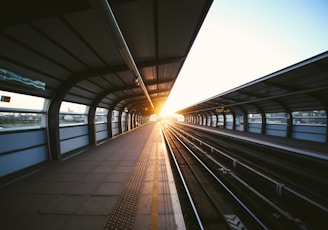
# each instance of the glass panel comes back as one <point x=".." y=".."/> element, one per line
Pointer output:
<point x="21" y="111"/>
<point x="254" y="118"/>
<point x="10" y="120"/>
<point x="72" y="114"/>
<point x="101" y="115"/>
<point x="21" y="101"/>
<point x="318" y="118"/>
<point x="115" y="116"/>
<point x="276" y="118"/>
<point x="229" y="118"/>
<point x="220" y="120"/>
<point x="69" y="107"/>
<point x="72" y="119"/>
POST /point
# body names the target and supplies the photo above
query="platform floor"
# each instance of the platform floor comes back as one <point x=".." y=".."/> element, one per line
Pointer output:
<point x="125" y="183"/>
<point x="302" y="146"/>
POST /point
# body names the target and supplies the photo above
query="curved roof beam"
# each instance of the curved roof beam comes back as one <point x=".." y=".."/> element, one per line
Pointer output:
<point x="78" y="77"/>
<point x="138" y="106"/>
<point x="120" y="99"/>
<point x="105" y="13"/>
<point x="84" y="75"/>
<point x="137" y="103"/>
<point x="106" y="92"/>
<point x="128" y="97"/>
<point x="66" y="85"/>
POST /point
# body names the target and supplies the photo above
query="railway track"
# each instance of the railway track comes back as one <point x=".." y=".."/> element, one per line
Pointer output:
<point x="208" y="202"/>
<point x="301" y="172"/>
<point x="298" y="181"/>
<point x="245" y="193"/>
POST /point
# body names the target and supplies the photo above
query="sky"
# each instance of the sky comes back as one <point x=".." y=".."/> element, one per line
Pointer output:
<point x="240" y="41"/>
<point x="243" y="40"/>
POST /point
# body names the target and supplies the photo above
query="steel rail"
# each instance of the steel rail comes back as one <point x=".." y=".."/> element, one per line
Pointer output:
<point x="184" y="184"/>
<point x="222" y="184"/>
<point x="280" y="186"/>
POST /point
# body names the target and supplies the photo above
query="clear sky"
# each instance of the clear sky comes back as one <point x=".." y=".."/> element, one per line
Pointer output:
<point x="242" y="40"/>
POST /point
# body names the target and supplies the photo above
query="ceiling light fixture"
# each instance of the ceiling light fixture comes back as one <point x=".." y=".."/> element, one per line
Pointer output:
<point x="136" y="80"/>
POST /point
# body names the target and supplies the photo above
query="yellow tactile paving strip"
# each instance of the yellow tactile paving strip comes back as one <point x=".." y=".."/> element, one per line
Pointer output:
<point x="125" y="210"/>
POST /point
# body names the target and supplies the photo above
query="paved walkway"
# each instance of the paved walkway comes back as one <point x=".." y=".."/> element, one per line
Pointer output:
<point x="125" y="183"/>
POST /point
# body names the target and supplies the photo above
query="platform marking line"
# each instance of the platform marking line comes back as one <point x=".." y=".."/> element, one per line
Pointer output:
<point x="125" y="209"/>
<point x="154" y="203"/>
<point x="175" y="202"/>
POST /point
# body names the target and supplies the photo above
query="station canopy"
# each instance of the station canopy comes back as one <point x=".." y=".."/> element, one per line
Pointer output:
<point x="299" y="87"/>
<point x="119" y="54"/>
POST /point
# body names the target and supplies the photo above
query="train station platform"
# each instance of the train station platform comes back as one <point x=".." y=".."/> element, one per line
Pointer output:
<point x="307" y="148"/>
<point x="124" y="183"/>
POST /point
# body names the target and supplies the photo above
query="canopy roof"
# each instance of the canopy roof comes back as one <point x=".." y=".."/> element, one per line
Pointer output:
<point x="71" y="49"/>
<point x="300" y="87"/>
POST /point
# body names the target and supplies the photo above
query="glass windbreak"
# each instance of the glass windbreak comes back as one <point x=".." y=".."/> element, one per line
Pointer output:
<point x="276" y="118"/>
<point x="72" y="114"/>
<point x="229" y="118"/>
<point x="254" y="118"/>
<point x="10" y="120"/>
<point x="220" y="120"/>
<point x="115" y="116"/>
<point x="20" y="111"/>
<point x="21" y="101"/>
<point x="101" y="115"/>
<point x="317" y="118"/>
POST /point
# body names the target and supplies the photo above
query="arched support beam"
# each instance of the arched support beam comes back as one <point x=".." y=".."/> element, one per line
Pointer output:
<point x="120" y="129"/>
<point x="92" y="126"/>
<point x="216" y="118"/>
<point x="53" y="128"/>
<point x="233" y="119"/>
<point x="245" y="118"/>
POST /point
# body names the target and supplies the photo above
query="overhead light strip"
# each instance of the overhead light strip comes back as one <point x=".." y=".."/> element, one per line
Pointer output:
<point x="106" y="14"/>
